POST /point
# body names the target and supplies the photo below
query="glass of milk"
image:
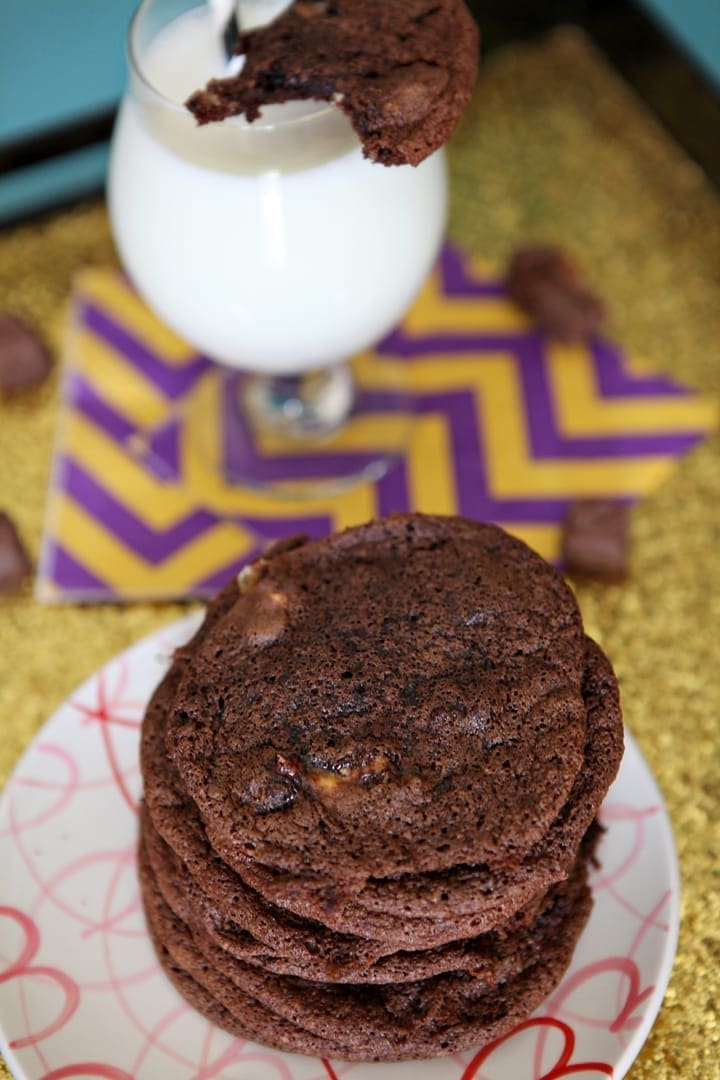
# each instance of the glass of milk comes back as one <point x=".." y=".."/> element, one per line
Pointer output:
<point x="273" y="247"/>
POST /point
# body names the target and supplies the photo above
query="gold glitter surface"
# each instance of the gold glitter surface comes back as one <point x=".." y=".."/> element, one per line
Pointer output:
<point x="554" y="147"/>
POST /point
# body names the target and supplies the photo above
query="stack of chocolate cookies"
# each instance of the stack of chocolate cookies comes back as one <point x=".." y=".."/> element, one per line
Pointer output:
<point x="371" y="782"/>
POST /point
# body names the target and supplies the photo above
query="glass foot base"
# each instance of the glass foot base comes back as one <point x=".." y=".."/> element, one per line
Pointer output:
<point x="314" y="435"/>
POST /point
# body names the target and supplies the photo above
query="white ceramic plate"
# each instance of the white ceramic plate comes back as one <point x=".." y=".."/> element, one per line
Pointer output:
<point x="82" y="995"/>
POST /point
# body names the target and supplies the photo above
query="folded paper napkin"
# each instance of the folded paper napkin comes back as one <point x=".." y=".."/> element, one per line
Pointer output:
<point x="506" y="427"/>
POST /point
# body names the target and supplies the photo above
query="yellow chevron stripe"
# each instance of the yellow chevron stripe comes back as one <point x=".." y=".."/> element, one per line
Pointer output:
<point x="112" y="293"/>
<point x="430" y="473"/>
<point x="103" y="554"/>
<point x="545" y="539"/>
<point x="436" y="372"/>
<point x="476" y="267"/>
<point x="581" y="411"/>
<point x="640" y="366"/>
<point x="120" y="383"/>
<point x="353" y="507"/>
<point x="362" y="434"/>
<point x="158" y="504"/>
<point x="435" y="313"/>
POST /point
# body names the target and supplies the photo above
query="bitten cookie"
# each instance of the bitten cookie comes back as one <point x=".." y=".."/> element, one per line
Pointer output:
<point x="403" y="71"/>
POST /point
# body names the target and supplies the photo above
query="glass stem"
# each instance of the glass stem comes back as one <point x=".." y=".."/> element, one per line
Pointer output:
<point x="309" y="405"/>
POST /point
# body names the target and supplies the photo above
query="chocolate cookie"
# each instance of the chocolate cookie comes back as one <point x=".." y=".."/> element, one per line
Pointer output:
<point x="367" y="782"/>
<point x="443" y="1014"/>
<point x="293" y="946"/>
<point x="445" y="906"/>
<point x="402" y="70"/>
<point x="413" y="677"/>
<point x="427" y="910"/>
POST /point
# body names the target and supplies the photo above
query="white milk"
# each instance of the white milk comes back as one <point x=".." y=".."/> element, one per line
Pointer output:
<point x="274" y="246"/>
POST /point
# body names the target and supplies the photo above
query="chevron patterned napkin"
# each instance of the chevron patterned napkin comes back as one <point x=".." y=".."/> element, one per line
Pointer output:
<point x="507" y="427"/>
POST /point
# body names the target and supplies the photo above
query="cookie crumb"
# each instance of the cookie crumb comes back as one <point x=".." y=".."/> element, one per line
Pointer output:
<point x="596" y="539"/>
<point x="548" y="285"/>
<point x="25" y="362"/>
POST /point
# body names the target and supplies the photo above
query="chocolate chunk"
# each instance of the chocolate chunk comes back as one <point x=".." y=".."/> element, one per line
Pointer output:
<point x="24" y="361"/>
<point x="361" y="766"/>
<point x="264" y="613"/>
<point x="402" y="70"/>
<point x="596" y="539"/>
<point x="250" y="575"/>
<point x="548" y="285"/>
<point x="15" y="564"/>
<point x="271" y="787"/>
<point x="266" y="795"/>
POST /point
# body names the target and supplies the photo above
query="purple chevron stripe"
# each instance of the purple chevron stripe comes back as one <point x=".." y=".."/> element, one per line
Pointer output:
<point x="474" y="497"/>
<point x="547" y="442"/>
<point x="612" y="378"/>
<point x="68" y="574"/>
<point x="83" y="396"/>
<point x="401" y="346"/>
<point x="152" y="545"/>
<point x="269" y="529"/>
<point x="615" y="381"/>
<point x="163" y="452"/>
<point x="173" y="382"/>
<point x="380" y="401"/>
<point x="392" y="490"/>
<point x="458" y="282"/>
